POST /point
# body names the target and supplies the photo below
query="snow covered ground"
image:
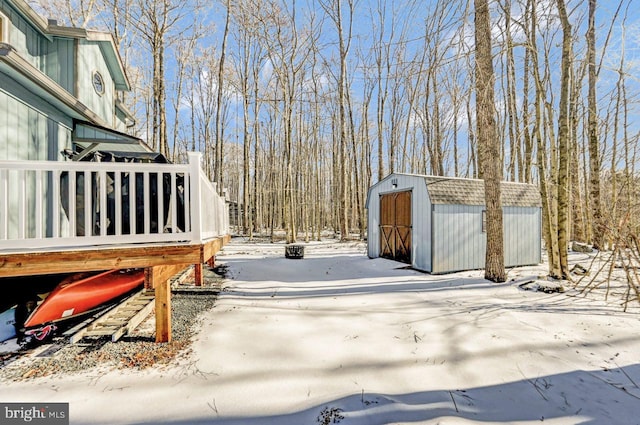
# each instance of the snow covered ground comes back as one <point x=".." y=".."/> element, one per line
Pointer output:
<point x="340" y="338"/>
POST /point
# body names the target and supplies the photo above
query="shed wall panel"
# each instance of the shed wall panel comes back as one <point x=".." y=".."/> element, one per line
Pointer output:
<point x="448" y="238"/>
<point x="421" y="226"/>
<point x="458" y="241"/>
<point x="420" y="216"/>
<point x="522" y="242"/>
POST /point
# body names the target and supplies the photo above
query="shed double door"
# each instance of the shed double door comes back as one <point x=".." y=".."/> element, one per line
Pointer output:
<point x="395" y="226"/>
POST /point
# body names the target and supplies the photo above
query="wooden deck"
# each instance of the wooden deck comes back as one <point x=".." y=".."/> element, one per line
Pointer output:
<point x="65" y="217"/>
<point x="160" y="261"/>
<point x="32" y="263"/>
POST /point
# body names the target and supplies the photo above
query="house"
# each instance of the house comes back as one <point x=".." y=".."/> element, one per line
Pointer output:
<point x="437" y="224"/>
<point x="59" y="87"/>
<point x="60" y="210"/>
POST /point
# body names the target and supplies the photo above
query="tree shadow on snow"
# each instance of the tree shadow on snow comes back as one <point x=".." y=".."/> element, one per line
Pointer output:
<point x="343" y="275"/>
<point x="608" y="396"/>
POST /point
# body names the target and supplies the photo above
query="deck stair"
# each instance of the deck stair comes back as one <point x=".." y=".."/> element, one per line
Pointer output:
<point x="120" y="320"/>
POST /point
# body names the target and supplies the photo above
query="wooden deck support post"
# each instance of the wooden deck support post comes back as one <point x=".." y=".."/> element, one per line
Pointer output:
<point x="158" y="278"/>
<point x="163" y="311"/>
<point x="197" y="274"/>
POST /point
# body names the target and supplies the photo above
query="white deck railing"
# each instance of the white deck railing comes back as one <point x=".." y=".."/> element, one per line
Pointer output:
<point x="44" y="204"/>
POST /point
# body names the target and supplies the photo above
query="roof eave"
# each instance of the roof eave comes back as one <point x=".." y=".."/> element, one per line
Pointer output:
<point x="127" y="113"/>
<point x="27" y="12"/>
<point x="44" y="86"/>
<point x="112" y="57"/>
<point x="107" y="48"/>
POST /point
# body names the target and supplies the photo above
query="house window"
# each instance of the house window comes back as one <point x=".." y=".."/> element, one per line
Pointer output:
<point x="484" y="221"/>
<point x="98" y="83"/>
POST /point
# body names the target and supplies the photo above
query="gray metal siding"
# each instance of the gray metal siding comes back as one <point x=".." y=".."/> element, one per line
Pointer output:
<point x="373" y="229"/>
<point x="458" y="241"/>
<point x="421" y="210"/>
<point x="420" y="217"/>
<point x="460" y="244"/>
<point x="522" y="241"/>
<point x="449" y="238"/>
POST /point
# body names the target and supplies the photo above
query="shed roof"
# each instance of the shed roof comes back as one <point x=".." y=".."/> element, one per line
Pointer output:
<point x="458" y="191"/>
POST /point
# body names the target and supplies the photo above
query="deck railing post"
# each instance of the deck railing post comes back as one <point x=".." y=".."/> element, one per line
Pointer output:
<point x="196" y="195"/>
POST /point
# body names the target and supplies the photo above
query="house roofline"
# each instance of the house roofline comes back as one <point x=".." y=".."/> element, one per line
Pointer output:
<point x="434" y="177"/>
<point x="47" y="88"/>
<point x="26" y="11"/>
<point x="107" y="46"/>
<point x="50" y="28"/>
<point x="128" y="114"/>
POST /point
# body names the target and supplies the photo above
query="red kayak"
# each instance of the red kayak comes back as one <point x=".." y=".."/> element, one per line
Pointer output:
<point x="82" y="293"/>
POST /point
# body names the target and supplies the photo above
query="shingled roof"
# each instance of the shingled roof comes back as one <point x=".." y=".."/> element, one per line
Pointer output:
<point x="458" y="191"/>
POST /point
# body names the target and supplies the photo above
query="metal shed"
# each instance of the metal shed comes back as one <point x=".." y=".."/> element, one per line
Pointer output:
<point x="437" y="224"/>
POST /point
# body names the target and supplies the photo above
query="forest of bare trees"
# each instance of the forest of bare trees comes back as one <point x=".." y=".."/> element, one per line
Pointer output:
<point x="299" y="106"/>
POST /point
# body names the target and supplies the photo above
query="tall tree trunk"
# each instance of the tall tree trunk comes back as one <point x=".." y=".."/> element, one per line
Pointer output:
<point x="487" y="142"/>
<point x="342" y="122"/>
<point x="527" y="159"/>
<point x="219" y="142"/>
<point x="592" y="123"/>
<point x="515" y="150"/>
<point x="564" y="142"/>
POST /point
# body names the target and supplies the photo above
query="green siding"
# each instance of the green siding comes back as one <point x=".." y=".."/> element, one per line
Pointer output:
<point x="12" y="129"/>
<point x="54" y="58"/>
<point x="23" y="37"/>
<point x="120" y="120"/>
<point x="90" y="59"/>
<point x="30" y="128"/>
<point x="29" y="133"/>
<point x="59" y="63"/>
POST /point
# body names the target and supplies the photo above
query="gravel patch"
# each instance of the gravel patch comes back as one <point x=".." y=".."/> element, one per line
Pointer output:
<point x="137" y="350"/>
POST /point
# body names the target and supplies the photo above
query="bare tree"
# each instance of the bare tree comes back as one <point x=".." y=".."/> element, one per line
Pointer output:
<point x="218" y="136"/>
<point x="563" y="142"/>
<point x="333" y="9"/>
<point x="75" y="13"/>
<point x="250" y="59"/>
<point x="160" y="23"/>
<point x="487" y="142"/>
<point x="594" y="145"/>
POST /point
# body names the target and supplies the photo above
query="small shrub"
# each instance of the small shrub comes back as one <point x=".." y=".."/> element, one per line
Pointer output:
<point x="330" y="416"/>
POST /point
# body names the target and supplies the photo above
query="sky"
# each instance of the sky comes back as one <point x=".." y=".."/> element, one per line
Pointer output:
<point x="618" y="37"/>
<point x="405" y="20"/>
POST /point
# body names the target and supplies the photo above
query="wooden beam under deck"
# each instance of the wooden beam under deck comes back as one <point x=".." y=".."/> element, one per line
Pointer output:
<point x="107" y="258"/>
<point x="154" y="276"/>
<point x="161" y="262"/>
